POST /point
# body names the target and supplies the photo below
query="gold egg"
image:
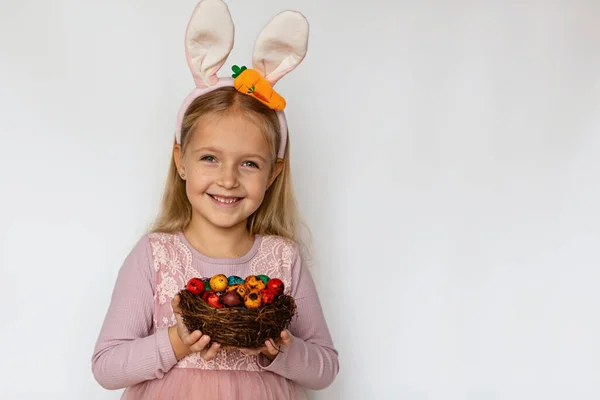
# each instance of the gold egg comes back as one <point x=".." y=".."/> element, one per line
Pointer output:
<point x="231" y="288"/>
<point x="242" y="290"/>
<point x="218" y="283"/>
<point x="253" y="299"/>
<point x="255" y="283"/>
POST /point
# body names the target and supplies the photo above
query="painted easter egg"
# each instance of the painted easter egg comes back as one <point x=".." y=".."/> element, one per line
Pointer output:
<point x="214" y="300"/>
<point x="253" y="299"/>
<point x="206" y="294"/>
<point x="206" y="283"/>
<point x="231" y="288"/>
<point x="263" y="278"/>
<point x="254" y="283"/>
<point x="195" y="286"/>
<point x="242" y="290"/>
<point x="267" y="296"/>
<point x="276" y="286"/>
<point x="232" y="299"/>
<point x="218" y="283"/>
<point x="234" y="280"/>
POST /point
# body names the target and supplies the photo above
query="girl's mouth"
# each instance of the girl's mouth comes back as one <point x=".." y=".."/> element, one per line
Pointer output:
<point x="225" y="201"/>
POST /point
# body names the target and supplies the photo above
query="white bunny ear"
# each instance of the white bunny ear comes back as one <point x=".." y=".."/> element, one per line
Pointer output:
<point x="208" y="41"/>
<point x="281" y="46"/>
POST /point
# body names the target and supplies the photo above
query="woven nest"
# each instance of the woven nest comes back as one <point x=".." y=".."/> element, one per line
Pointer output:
<point x="237" y="326"/>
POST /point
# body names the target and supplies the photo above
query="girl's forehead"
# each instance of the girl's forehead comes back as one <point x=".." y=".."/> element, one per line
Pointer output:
<point x="235" y="133"/>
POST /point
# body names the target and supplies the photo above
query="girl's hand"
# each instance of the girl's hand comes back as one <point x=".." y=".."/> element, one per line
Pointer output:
<point x="271" y="348"/>
<point x="184" y="342"/>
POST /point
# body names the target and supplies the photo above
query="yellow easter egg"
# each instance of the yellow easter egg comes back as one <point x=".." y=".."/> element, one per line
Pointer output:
<point x="231" y="288"/>
<point x="242" y="290"/>
<point x="218" y="283"/>
<point x="254" y="282"/>
<point x="253" y="299"/>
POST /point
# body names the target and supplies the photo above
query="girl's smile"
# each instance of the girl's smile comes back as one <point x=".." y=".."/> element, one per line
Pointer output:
<point x="226" y="201"/>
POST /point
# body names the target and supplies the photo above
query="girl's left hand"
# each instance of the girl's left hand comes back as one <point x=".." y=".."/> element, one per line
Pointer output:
<point x="271" y="348"/>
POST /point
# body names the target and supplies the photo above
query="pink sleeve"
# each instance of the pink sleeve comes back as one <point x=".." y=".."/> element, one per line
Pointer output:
<point x="311" y="360"/>
<point x="128" y="351"/>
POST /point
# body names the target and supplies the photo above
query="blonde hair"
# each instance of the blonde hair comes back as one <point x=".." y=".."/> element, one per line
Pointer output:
<point x="278" y="214"/>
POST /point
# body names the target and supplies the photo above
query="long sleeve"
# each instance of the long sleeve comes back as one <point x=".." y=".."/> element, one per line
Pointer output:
<point x="127" y="352"/>
<point x="311" y="360"/>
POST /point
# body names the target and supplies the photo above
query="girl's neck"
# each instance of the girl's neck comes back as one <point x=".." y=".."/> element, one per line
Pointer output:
<point x="219" y="243"/>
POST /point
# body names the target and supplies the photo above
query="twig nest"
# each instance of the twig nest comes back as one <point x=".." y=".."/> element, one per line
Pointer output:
<point x="237" y="312"/>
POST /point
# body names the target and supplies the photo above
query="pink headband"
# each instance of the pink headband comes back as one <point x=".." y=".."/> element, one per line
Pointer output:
<point x="279" y="48"/>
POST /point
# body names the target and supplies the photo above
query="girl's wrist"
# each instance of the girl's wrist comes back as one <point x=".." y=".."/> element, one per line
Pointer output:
<point x="179" y="348"/>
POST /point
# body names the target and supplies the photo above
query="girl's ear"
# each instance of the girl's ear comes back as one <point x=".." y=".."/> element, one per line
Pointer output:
<point x="177" y="157"/>
<point x="281" y="46"/>
<point x="208" y="41"/>
<point x="275" y="171"/>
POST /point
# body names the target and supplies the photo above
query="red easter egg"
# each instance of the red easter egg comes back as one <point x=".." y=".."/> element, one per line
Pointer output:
<point x="276" y="286"/>
<point x="214" y="300"/>
<point x="195" y="286"/>
<point x="267" y="296"/>
<point x="206" y="294"/>
<point x="232" y="299"/>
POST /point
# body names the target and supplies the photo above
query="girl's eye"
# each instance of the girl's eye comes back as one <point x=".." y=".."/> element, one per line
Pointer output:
<point x="208" y="158"/>
<point x="250" y="164"/>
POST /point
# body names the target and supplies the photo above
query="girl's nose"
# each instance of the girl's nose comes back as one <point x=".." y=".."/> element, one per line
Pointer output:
<point x="228" y="178"/>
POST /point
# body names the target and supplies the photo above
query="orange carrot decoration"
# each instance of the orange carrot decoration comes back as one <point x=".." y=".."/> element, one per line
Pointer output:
<point x="250" y="82"/>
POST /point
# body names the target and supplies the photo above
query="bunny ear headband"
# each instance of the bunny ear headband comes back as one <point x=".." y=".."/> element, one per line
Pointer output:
<point x="280" y="47"/>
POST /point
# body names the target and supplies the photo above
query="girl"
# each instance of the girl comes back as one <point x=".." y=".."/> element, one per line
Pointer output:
<point x="228" y="208"/>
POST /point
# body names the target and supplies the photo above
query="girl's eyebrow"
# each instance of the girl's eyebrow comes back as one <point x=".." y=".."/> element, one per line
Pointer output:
<point x="209" y="149"/>
<point x="217" y="150"/>
<point x="252" y="155"/>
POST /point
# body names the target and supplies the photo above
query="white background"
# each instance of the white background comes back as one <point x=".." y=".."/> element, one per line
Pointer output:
<point x="445" y="155"/>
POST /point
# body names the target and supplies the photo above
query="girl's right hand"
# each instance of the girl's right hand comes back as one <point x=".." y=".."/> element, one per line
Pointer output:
<point x="184" y="342"/>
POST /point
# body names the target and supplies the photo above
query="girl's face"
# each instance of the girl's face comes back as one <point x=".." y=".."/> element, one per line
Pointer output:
<point x="228" y="167"/>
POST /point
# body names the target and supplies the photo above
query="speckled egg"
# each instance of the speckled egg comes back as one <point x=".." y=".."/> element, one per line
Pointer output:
<point x="218" y="283"/>
<point x="242" y="290"/>
<point x="206" y="284"/>
<point x="234" y="280"/>
<point x="231" y="288"/>
<point x="253" y="299"/>
<point x="267" y="296"/>
<point x="254" y="283"/>
<point x="263" y="278"/>
<point x="276" y="286"/>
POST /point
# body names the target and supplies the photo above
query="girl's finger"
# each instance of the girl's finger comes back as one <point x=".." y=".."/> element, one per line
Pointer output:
<point x="286" y="338"/>
<point x="271" y="347"/>
<point x="200" y="343"/>
<point x="211" y="352"/>
<point x="192" y="338"/>
<point x="251" y="352"/>
<point x="175" y="304"/>
<point x="181" y="328"/>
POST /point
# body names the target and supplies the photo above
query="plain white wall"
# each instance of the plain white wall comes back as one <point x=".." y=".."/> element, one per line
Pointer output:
<point x="445" y="156"/>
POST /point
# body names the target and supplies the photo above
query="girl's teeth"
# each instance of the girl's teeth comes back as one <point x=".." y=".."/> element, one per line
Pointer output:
<point x="226" y="201"/>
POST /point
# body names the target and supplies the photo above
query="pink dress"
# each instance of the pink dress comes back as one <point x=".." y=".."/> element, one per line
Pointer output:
<point x="133" y="350"/>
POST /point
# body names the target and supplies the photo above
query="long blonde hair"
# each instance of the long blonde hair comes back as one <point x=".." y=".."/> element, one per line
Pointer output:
<point x="278" y="213"/>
